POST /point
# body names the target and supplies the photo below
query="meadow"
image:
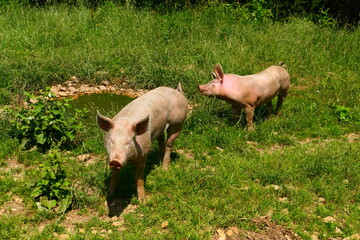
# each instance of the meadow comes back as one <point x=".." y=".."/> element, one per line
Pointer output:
<point x="300" y="169"/>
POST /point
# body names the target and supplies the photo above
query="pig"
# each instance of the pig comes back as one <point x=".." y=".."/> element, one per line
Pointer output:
<point x="128" y="135"/>
<point x="248" y="92"/>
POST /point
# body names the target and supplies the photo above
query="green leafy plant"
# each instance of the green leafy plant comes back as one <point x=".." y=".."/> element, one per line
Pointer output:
<point x="46" y="123"/>
<point x="53" y="191"/>
<point x="323" y="18"/>
<point x="343" y="113"/>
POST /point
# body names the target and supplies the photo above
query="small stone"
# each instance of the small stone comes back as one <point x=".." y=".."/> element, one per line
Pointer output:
<point x="338" y="230"/>
<point x="33" y="101"/>
<point x="54" y="89"/>
<point x="329" y="219"/>
<point x="94" y="231"/>
<point x="229" y="233"/>
<point x="18" y="200"/>
<point x="219" y="148"/>
<point x="81" y="230"/>
<point x="72" y="89"/>
<point x="63" y="94"/>
<point x="83" y="157"/>
<point x="221" y="233"/>
<point x="234" y="229"/>
<point x="322" y="200"/>
<point x="63" y="236"/>
<point x="164" y="224"/>
<point x="105" y="83"/>
<point x="314" y="237"/>
<point x="283" y="199"/>
<point x="74" y="79"/>
<point x="112" y="88"/>
<point x="102" y="88"/>
<point x="276" y="187"/>
<point x="117" y="224"/>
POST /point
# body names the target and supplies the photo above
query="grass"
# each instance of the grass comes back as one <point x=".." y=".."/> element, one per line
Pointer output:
<point x="221" y="175"/>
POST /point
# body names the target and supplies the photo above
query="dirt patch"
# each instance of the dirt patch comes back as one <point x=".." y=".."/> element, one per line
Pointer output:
<point x="75" y="217"/>
<point x="13" y="207"/>
<point x="88" y="159"/>
<point x="353" y="137"/>
<point x="74" y="88"/>
<point x="16" y="168"/>
<point x="268" y="230"/>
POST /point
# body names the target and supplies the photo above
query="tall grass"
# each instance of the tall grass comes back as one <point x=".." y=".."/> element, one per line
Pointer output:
<point x="48" y="46"/>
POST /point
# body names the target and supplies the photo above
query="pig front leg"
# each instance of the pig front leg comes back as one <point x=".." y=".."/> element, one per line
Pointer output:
<point x="249" y="111"/>
<point x="139" y="180"/>
<point x="269" y="109"/>
<point x="113" y="181"/>
<point x="172" y="132"/>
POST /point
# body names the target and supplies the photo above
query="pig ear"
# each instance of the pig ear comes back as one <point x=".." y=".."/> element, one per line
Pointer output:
<point x="104" y="123"/>
<point x="219" y="72"/>
<point x="141" y="126"/>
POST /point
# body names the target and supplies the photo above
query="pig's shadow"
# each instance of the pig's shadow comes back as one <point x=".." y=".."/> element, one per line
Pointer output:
<point x="126" y="188"/>
<point x="260" y="115"/>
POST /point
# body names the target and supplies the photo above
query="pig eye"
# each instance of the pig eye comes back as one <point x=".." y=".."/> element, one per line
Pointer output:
<point x="129" y="142"/>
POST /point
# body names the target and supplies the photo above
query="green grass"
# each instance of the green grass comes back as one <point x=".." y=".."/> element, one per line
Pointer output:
<point x="221" y="175"/>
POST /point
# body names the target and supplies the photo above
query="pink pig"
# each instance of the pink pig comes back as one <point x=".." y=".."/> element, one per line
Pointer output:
<point x="129" y="134"/>
<point x="247" y="92"/>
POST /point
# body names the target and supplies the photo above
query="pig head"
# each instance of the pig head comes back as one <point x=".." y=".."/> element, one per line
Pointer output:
<point x="248" y="92"/>
<point x="129" y="134"/>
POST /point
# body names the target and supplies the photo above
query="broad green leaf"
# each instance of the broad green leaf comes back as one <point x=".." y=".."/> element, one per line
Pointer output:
<point x="37" y="191"/>
<point x="49" y="204"/>
<point x="64" y="204"/>
<point x="40" y="138"/>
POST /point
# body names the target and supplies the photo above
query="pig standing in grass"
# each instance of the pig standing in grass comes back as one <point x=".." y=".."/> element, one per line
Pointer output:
<point x="247" y="92"/>
<point x="129" y="134"/>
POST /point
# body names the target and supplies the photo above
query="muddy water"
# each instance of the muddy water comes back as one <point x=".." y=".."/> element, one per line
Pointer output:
<point x="106" y="103"/>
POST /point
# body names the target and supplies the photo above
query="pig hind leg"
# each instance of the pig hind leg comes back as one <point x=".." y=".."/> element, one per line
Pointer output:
<point x="172" y="132"/>
<point x="281" y="96"/>
<point x="269" y="109"/>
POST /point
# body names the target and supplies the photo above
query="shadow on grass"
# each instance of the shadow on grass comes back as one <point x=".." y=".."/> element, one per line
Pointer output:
<point x="126" y="188"/>
<point x="260" y="115"/>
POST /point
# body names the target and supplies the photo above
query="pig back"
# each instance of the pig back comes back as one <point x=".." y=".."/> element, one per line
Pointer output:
<point x="164" y="106"/>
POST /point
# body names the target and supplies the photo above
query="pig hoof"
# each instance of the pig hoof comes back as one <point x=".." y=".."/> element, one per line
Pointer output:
<point x="115" y="165"/>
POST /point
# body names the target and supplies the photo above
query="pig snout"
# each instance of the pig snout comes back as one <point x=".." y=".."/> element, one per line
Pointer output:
<point x="114" y="164"/>
<point x="202" y="88"/>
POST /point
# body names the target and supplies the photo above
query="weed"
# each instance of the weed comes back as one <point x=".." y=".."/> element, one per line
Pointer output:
<point x="45" y="123"/>
<point x="343" y="113"/>
<point x="53" y="191"/>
